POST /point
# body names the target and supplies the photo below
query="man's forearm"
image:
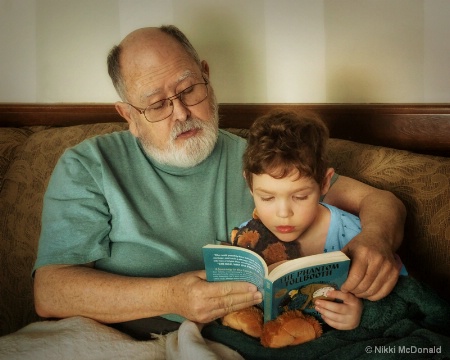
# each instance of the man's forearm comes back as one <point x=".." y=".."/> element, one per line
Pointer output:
<point x="64" y="291"/>
<point x="381" y="212"/>
<point x="374" y="270"/>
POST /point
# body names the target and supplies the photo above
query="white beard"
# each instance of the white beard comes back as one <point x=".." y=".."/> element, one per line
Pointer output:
<point x="193" y="150"/>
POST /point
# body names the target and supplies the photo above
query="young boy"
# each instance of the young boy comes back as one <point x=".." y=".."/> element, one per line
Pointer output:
<point x="286" y="168"/>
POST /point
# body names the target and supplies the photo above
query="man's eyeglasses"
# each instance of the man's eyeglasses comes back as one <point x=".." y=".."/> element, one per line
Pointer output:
<point x="162" y="109"/>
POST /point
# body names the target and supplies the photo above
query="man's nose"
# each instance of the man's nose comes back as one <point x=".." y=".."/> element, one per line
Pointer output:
<point x="180" y="111"/>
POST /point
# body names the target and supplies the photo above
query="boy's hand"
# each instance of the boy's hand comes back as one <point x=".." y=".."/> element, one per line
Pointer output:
<point x="341" y="316"/>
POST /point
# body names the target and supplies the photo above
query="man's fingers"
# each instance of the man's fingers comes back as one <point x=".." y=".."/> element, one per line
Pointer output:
<point x="237" y="296"/>
<point x="355" y="276"/>
<point x="382" y="285"/>
<point x="223" y="305"/>
<point x="372" y="281"/>
<point x="233" y="287"/>
<point x="372" y="275"/>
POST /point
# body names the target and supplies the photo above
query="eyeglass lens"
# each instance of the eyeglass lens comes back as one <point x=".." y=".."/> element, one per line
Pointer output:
<point x="190" y="96"/>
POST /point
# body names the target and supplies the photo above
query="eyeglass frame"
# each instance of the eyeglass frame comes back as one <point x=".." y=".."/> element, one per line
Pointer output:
<point x="171" y="98"/>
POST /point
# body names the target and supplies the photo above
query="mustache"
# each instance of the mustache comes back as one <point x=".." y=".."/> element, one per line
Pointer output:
<point x="183" y="126"/>
<point x="195" y="123"/>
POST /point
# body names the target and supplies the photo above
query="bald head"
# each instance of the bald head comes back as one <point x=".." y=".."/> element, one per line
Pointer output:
<point x="142" y="47"/>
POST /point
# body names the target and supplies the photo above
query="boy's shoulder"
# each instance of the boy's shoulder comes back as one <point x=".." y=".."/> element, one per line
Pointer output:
<point x="347" y="219"/>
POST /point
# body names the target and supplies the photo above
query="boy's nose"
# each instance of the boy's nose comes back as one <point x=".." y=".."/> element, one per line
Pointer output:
<point x="284" y="211"/>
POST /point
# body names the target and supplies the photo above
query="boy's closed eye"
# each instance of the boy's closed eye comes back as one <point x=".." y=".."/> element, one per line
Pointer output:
<point x="298" y="197"/>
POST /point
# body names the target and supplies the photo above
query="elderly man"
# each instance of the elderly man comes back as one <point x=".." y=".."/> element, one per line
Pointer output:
<point x="126" y="214"/>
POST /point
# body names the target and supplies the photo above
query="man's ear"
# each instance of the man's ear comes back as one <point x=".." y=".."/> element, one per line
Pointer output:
<point x="205" y="68"/>
<point x="124" y="110"/>
<point x="327" y="181"/>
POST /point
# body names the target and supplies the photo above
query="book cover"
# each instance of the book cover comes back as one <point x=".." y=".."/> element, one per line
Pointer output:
<point x="298" y="283"/>
<point x="232" y="263"/>
<point x="295" y="284"/>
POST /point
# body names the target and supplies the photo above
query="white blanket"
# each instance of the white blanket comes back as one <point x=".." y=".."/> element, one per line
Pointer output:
<point x="187" y="343"/>
<point x="81" y="338"/>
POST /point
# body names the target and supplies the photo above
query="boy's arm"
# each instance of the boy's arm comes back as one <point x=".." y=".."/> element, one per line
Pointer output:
<point x="375" y="269"/>
<point x="341" y="316"/>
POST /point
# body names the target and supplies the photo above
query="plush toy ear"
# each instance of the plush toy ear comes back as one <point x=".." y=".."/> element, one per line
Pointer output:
<point x="247" y="239"/>
<point x="233" y="235"/>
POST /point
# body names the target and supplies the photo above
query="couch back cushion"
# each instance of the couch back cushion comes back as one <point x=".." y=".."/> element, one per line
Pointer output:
<point x="11" y="140"/>
<point x="27" y="158"/>
<point x="422" y="182"/>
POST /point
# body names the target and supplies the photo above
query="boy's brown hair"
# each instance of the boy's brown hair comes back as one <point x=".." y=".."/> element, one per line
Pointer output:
<point x="283" y="141"/>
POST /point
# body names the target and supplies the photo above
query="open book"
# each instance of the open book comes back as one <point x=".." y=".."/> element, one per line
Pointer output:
<point x="295" y="284"/>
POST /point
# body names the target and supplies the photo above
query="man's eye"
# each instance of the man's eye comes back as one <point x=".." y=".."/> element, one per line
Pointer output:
<point x="188" y="89"/>
<point x="157" y="105"/>
<point x="266" y="198"/>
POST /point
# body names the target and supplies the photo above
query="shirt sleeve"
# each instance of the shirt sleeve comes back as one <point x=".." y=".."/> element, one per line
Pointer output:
<point x="75" y="218"/>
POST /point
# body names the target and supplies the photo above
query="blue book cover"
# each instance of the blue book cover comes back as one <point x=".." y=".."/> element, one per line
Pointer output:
<point x="295" y="284"/>
<point x="232" y="263"/>
<point x="298" y="283"/>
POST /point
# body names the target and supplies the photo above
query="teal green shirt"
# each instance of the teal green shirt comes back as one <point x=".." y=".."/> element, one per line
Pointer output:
<point x="109" y="203"/>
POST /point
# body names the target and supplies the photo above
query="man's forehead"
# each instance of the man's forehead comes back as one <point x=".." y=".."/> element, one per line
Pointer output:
<point x="164" y="78"/>
<point x="143" y="34"/>
<point x="155" y="63"/>
<point x="172" y="83"/>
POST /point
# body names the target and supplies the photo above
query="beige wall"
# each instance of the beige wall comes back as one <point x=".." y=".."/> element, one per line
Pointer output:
<point x="313" y="51"/>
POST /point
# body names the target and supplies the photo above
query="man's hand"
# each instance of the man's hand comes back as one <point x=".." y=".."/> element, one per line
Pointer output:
<point x="374" y="269"/>
<point x="201" y="301"/>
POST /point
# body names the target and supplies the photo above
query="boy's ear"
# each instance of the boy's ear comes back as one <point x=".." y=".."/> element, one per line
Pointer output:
<point x="124" y="110"/>
<point x="245" y="177"/>
<point x="327" y="181"/>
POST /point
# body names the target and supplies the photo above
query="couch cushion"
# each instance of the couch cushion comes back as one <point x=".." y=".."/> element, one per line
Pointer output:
<point x="422" y="182"/>
<point x="21" y="196"/>
<point x="10" y="141"/>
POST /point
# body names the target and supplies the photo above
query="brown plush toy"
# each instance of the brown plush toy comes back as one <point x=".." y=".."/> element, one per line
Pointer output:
<point x="291" y="327"/>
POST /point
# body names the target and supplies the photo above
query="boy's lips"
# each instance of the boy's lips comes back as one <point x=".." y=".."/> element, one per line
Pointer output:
<point x="285" y="229"/>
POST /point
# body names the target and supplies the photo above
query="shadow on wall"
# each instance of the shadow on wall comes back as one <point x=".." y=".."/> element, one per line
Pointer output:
<point x="236" y="56"/>
<point x="353" y="85"/>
